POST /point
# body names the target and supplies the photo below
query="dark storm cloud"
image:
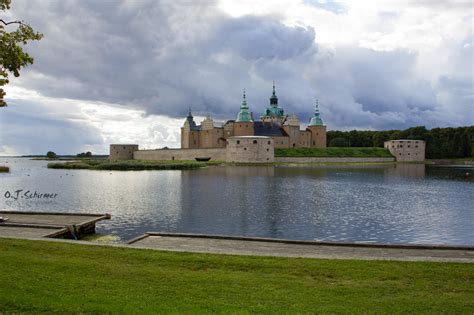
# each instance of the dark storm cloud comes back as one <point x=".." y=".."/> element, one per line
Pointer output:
<point x="164" y="56"/>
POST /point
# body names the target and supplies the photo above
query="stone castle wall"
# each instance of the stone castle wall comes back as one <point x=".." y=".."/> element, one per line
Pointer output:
<point x="406" y="150"/>
<point x="218" y="154"/>
<point x="333" y="159"/>
<point x="122" y="151"/>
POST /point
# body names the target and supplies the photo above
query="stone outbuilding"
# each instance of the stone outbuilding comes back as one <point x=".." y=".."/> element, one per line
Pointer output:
<point x="256" y="149"/>
<point x="122" y="151"/>
<point x="406" y="150"/>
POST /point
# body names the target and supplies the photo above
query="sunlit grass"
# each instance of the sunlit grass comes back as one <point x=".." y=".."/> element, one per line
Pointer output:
<point x="52" y="277"/>
<point x="128" y="165"/>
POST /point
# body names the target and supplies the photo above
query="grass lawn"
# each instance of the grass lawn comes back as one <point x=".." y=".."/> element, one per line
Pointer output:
<point x="4" y="169"/>
<point x="38" y="276"/>
<point x="333" y="152"/>
<point x="129" y="165"/>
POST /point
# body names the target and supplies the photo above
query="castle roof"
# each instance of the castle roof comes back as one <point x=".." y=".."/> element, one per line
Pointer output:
<point x="268" y="129"/>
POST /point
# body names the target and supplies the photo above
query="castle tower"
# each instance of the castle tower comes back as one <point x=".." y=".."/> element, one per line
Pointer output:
<point x="317" y="128"/>
<point x="244" y="123"/>
<point x="292" y="128"/>
<point x="273" y="113"/>
<point x="189" y="133"/>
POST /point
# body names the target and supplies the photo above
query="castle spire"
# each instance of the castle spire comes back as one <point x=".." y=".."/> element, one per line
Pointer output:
<point x="244" y="102"/>
<point x="316" y="119"/>
<point x="274" y="98"/>
<point x="244" y="115"/>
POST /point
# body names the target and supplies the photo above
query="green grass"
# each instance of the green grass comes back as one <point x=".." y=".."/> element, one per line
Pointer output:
<point x="333" y="152"/>
<point x="4" y="169"/>
<point x="129" y="165"/>
<point x="52" y="277"/>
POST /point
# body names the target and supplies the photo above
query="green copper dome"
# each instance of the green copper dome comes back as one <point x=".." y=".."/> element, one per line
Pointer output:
<point x="273" y="110"/>
<point x="244" y="115"/>
<point x="316" y="119"/>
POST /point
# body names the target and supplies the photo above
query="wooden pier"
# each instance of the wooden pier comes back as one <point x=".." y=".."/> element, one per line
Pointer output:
<point x="24" y="224"/>
<point x="256" y="246"/>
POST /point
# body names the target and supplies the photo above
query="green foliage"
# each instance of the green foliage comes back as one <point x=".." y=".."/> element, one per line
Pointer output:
<point x="129" y="165"/>
<point x="332" y="152"/>
<point x="52" y="277"/>
<point x="440" y="142"/>
<point x="51" y="155"/>
<point x="12" y="55"/>
<point x="84" y="154"/>
<point x="339" y="142"/>
<point x="4" y="169"/>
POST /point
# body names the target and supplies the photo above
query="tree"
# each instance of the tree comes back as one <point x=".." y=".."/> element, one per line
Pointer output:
<point x="12" y="55"/>
<point x="51" y="155"/>
<point x="339" y="142"/>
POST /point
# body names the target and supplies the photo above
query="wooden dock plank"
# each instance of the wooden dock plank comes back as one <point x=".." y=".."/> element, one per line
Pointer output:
<point x="79" y="223"/>
<point x="265" y="248"/>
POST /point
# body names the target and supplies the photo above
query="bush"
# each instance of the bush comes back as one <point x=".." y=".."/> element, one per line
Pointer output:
<point x="51" y="155"/>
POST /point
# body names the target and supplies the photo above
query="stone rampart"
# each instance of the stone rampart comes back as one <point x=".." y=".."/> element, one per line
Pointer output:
<point x="180" y="154"/>
<point x="334" y="159"/>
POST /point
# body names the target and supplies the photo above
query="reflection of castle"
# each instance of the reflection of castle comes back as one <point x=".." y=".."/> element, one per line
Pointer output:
<point x="284" y="130"/>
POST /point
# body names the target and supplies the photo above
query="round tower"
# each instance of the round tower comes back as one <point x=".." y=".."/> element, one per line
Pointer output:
<point x="317" y="128"/>
<point x="244" y="123"/>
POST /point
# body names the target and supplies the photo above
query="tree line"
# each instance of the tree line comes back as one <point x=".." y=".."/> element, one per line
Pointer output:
<point x="440" y="142"/>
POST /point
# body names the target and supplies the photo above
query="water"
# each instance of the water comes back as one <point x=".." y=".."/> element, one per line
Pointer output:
<point x="382" y="203"/>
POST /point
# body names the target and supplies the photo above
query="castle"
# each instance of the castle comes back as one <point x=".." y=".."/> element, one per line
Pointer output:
<point x="274" y="123"/>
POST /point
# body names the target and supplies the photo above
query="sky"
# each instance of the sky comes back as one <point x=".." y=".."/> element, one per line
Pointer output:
<point x="127" y="71"/>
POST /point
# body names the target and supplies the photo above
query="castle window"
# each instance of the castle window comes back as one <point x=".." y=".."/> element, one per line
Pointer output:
<point x="416" y="146"/>
<point x="314" y="142"/>
<point x="245" y="149"/>
<point x="408" y="145"/>
<point x="238" y="141"/>
<point x="269" y="142"/>
<point x="254" y="141"/>
<point x="124" y="147"/>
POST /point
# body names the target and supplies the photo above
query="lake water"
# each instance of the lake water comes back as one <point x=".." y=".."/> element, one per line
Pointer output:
<point x="405" y="203"/>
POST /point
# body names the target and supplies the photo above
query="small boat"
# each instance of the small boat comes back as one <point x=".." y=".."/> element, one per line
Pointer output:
<point x="202" y="159"/>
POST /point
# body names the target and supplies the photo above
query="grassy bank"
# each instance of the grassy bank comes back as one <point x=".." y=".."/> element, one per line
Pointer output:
<point x="130" y="165"/>
<point x="333" y="152"/>
<point x="46" y="277"/>
<point x="4" y="169"/>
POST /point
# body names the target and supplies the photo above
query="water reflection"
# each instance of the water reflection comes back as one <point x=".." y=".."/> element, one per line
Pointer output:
<point x="398" y="203"/>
